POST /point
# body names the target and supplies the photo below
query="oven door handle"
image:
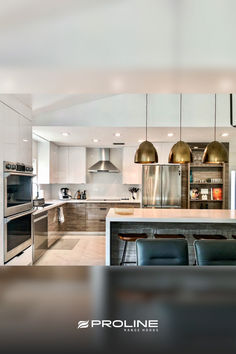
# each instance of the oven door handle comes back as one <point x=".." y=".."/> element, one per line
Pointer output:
<point x="7" y="174"/>
<point x="13" y="217"/>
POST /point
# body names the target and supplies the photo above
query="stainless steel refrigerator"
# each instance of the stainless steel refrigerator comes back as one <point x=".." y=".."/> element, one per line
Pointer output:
<point x="161" y="186"/>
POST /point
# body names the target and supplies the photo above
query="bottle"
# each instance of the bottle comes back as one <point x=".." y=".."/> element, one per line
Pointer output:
<point x="78" y="194"/>
<point x="83" y="196"/>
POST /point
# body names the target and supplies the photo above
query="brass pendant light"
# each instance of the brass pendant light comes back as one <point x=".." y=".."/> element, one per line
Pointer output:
<point x="215" y="152"/>
<point x="180" y="152"/>
<point x="146" y="152"/>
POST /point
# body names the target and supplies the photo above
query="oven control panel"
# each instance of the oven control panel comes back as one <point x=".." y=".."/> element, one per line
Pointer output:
<point x="17" y="167"/>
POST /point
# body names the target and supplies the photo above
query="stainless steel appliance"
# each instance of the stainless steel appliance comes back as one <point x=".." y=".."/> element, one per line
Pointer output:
<point x="65" y="193"/>
<point x="40" y="238"/>
<point x="17" y="234"/>
<point x="161" y="186"/>
<point x="104" y="164"/>
<point x="18" y="196"/>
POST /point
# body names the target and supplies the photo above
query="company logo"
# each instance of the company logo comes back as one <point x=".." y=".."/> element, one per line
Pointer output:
<point x="127" y="326"/>
<point x="83" y="324"/>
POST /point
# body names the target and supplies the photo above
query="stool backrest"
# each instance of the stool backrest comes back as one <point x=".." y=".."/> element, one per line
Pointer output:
<point x="221" y="252"/>
<point x="162" y="252"/>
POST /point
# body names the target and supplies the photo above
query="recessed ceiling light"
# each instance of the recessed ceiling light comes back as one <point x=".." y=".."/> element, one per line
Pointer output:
<point x="225" y="134"/>
<point x="117" y="134"/>
<point x="140" y="141"/>
<point x="170" y="134"/>
<point x="25" y="140"/>
<point x="65" y="133"/>
<point x="95" y="140"/>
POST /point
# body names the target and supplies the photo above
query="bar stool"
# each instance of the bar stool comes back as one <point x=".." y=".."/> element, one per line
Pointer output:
<point x="129" y="237"/>
<point x="167" y="236"/>
<point x="209" y="237"/>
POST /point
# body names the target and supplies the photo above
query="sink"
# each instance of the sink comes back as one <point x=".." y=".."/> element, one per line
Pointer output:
<point x="104" y="200"/>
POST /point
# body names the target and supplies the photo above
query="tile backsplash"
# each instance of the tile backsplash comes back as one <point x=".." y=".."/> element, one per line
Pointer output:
<point x="94" y="190"/>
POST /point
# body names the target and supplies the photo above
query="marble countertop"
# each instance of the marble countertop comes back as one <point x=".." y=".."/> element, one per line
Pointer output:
<point x="175" y="215"/>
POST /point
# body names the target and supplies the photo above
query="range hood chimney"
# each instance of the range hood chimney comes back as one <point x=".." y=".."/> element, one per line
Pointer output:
<point x="104" y="164"/>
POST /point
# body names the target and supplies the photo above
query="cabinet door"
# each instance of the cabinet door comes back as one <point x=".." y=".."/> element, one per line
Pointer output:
<point x="10" y="134"/>
<point x="25" y="140"/>
<point x="53" y="226"/>
<point x="77" y="165"/>
<point x="74" y="214"/>
<point x="53" y="163"/>
<point x="63" y="164"/>
<point x="132" y="173"/>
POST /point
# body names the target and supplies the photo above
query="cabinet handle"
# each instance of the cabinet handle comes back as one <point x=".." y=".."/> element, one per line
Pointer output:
<point x="103" y="208"/>
<point x="102" y="220"/>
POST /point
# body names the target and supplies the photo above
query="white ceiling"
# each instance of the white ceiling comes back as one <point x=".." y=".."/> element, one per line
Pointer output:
<point x="83" y="136"/>
<point x="113" y="46"/>
<point x="88" y="117"/>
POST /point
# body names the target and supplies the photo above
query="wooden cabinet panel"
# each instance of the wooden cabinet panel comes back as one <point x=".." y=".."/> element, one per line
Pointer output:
<point x="53" y="226"/>
<point x="89" y="217"/>
<point x="74" y="214"/>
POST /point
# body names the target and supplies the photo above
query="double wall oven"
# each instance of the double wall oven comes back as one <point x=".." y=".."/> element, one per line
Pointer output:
<point x="18" y="208"/>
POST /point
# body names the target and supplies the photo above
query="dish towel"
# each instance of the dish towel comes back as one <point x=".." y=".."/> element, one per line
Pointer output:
<point x="61" y="218"/>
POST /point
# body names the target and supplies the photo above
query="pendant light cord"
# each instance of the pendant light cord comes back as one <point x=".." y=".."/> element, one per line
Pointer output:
<point x="180" y="117"/>
<point x="146" y="113"/>
<point x="215" y="120"/>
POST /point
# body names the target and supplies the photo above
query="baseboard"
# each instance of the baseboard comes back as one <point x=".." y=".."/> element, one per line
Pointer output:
<point x="81" y="233"/>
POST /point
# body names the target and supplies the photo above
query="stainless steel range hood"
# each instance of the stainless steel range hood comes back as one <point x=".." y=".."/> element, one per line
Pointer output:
<point x="104" y="164"/>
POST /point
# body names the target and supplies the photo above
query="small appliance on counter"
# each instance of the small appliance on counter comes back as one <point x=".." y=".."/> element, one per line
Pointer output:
<point x="65" y="193"/>
<point x="38" y="202"/>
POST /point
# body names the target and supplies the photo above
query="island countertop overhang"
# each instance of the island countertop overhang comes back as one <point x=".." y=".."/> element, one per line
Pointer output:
<point x="175" y="215"/>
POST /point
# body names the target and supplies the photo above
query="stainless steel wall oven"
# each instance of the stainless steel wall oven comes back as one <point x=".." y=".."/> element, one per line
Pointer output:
<point x="18" y="196"/>
<point x="18" y="208"/>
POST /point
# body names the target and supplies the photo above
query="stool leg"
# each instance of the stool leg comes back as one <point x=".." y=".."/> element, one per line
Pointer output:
<point x="124" y="253"/>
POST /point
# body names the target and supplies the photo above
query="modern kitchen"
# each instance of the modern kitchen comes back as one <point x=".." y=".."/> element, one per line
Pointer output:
<point x="112" y="179"/>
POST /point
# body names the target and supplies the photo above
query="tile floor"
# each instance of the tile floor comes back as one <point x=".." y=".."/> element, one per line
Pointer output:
<point x="88" y="251"/>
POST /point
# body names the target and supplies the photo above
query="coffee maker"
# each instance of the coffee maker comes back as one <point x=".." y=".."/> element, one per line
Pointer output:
<point x="65" y="193"/>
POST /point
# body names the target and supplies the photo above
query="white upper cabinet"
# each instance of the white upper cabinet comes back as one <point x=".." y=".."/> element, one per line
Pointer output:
<point x="132" y="172"/>
<point x="25" y="141"/>
<point x="77" y="165"/>
<point x="47" y="162"/>
<point x="63" y="164"/>
<point x="16" y="136"/>
<point x="71" y="165"/>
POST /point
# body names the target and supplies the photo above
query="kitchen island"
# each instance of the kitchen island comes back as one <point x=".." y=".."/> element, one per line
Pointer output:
<point x="172" y="221"/>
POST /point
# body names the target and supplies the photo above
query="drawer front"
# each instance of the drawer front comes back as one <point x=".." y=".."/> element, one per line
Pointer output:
<point x="96" y="225"/>
<point x="96" y="213"/>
